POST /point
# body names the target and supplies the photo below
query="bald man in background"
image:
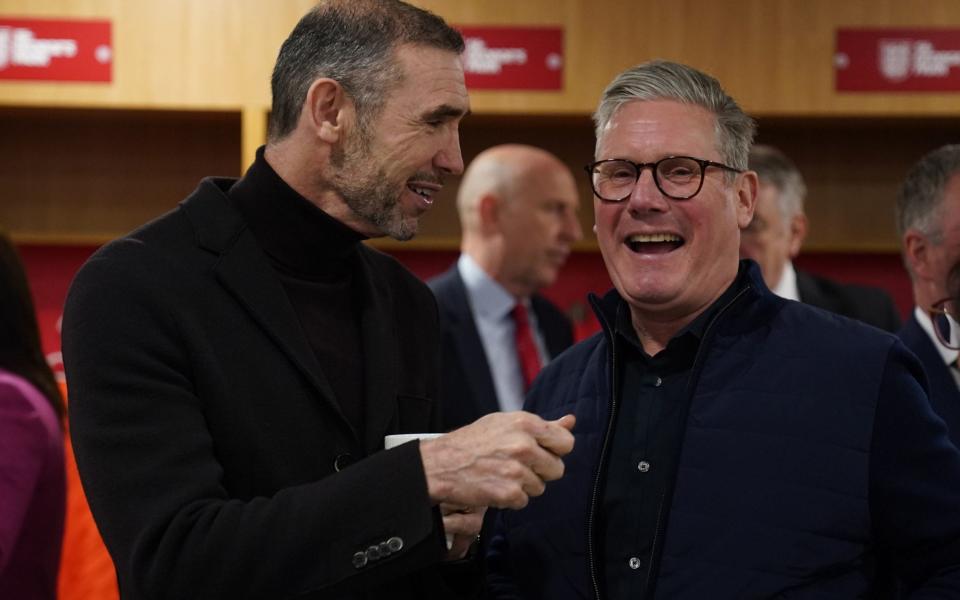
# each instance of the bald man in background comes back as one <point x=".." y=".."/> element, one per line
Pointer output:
<point x="518" y="211"/>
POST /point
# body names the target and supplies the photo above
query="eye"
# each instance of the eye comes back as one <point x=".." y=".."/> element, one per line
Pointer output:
<point x="677" y="172"/>
<point x="617" y="172"/>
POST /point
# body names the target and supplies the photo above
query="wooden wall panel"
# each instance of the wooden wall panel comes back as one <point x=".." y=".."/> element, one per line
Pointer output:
<point x="853" y="170"/>
<point x="86" y="176"/>
<point x="776" y="56"/>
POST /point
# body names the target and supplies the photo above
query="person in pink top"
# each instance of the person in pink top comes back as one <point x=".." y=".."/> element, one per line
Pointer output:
<point x="32" y="475"/>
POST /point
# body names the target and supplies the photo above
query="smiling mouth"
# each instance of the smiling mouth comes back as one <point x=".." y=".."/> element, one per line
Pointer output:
<point x="425" y="192"/>
<point x="653" y="243"/>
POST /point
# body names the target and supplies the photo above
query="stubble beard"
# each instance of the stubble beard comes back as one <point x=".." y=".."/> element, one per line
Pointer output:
<point x="368" y="192"/>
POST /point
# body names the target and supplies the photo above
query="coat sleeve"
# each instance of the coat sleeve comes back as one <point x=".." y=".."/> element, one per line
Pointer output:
<point x="915" y="484"/>
<point x="149" y="464"/>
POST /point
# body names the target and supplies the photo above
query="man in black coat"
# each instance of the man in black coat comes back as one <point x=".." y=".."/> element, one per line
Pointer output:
<point x="235" y="365"/>
<point x="518" y="211"/>
<point x="776" y="234"/>
<point x="928" y="219"/>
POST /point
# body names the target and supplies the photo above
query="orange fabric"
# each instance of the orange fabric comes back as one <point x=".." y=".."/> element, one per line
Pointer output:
<point x="86" y="570"/>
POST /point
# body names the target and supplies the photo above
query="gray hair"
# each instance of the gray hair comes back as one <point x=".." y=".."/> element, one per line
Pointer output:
<point x="774" y="168"/>
<point x="352" y="42"/>
<point x="920" y="201"/>
<point x="665" y="80"/>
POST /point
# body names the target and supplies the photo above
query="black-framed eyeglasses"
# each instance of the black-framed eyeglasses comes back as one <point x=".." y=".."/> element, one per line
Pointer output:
<point x="943" y="315"/>
<point x="677" y="177"/>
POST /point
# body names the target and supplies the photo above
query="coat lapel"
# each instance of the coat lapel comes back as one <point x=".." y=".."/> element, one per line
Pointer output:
<point x="470" y="348"/>
<point x="244" y="271"/>
<point x="381" y="348"/>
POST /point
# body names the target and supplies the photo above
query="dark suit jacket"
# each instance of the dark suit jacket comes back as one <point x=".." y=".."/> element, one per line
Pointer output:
<point x="944" y="394"/>
<point x="466" y="389"/>
<point x="868" y="304"/>
<point x="208" y="439"/>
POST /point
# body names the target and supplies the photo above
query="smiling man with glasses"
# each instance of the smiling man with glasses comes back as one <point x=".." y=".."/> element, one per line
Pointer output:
<point x="729" y="443"/>
<point x="928" y="219"/>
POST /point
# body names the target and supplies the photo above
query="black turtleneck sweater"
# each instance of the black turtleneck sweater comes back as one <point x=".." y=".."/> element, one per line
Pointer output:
<point x="315" y="257"/>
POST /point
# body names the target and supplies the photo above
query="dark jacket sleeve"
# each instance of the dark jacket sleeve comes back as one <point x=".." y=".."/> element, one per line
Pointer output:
<point x="915" y="484"/>
<point x="149" y="464"/>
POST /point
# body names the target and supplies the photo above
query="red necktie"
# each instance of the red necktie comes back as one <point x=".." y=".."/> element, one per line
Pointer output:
<point x="526" y="347"/>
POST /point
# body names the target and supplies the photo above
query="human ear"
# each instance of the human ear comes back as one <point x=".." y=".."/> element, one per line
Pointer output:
<point x="797" y="230"/>
<point x="327" y="108"/>
<point x="489" y="211"/>
<point x="746" y="198"/>
<point x="916" y="251"/>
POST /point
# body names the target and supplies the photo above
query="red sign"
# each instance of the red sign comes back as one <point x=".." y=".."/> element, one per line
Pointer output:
<point x="513" y="58"/>
<point x="898" y="60"/>
<point x="55" y="50"/>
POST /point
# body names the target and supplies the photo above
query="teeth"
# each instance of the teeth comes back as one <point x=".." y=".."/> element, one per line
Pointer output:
<point x="421" y="191"/>
<point x="653" y="237"/>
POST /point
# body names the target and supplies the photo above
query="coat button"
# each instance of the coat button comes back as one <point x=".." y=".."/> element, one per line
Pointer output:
<point x="384" y="549"/>
<point x="373" y="553"/>
<point x="342" y="461"/>
<point x="634" y="563"/>
<point x="395" y="544"/>
<point x="643" y="467"/>
<point x="359" y="560"/>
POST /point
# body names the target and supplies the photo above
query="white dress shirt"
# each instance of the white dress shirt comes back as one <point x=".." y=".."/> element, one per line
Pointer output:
<point x="787" y="287"/>
<point x="949" y="356"/>
<point x="491" y="305"/>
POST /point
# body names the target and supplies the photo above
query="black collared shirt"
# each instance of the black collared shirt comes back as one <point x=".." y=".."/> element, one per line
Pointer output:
<point x="315" y="257"/>
<point x="653" y="397"/>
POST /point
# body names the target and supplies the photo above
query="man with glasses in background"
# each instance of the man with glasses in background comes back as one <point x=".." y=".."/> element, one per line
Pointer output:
<point x="928" y="221"/>
<point x="729" y="443"/>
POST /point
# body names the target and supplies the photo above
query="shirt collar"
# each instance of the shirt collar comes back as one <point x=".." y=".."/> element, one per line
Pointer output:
<point x="923" y="318"/>
<point x="787" y="287"/>
<point x="487" y="297"/>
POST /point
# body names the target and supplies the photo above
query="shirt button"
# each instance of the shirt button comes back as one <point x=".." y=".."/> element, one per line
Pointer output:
<point x="644" y="466"/>
<point x="634" y="563"/>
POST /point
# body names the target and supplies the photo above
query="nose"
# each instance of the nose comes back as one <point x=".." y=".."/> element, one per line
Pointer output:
<point x="449" y="159"/>
<point x="646" y="196"/>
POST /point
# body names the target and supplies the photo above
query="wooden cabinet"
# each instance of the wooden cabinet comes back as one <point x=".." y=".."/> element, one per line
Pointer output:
<point x="190" y="94"/>
<point x="88" y="175"/>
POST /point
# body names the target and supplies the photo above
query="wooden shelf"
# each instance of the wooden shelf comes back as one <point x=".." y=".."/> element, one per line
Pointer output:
<point x="853" y="169"/>
<point x="89" y="175"/>
<point x="76" y="174"/>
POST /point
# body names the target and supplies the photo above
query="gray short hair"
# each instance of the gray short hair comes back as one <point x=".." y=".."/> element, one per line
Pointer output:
<point x="920" y="201"/>
<point x="353" y="42"/>
<point x="665" y="80"/>
<point x="774" y="168"/>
